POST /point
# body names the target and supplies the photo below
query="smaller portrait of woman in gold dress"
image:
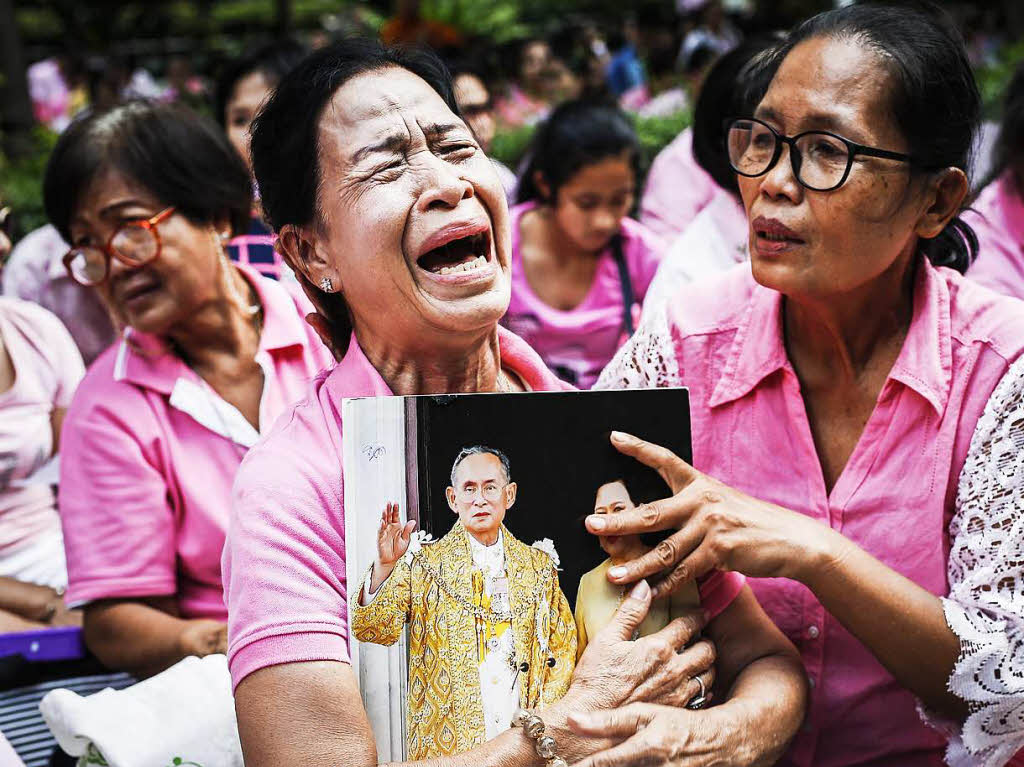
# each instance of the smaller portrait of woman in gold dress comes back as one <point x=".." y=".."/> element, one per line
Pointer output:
<point x="597" y="598"/>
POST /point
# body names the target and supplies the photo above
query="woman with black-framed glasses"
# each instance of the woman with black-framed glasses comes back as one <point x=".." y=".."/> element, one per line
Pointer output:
<point x="857" y="405"/>
<point x="211" y="352"/>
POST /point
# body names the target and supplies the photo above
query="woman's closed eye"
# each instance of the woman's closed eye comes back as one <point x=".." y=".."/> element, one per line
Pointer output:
<point x="457" y="150"/>
<point x="388" y="170"/>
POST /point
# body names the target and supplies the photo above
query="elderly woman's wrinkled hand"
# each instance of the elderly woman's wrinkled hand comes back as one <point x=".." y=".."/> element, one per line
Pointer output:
<point x="647" y="734"/>
<point x="615" y="670"/>
<point x="717" y="527"/>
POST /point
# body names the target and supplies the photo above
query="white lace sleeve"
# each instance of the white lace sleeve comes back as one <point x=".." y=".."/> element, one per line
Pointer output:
<point x="985" y="606"/>
<point x="647" y="360"/>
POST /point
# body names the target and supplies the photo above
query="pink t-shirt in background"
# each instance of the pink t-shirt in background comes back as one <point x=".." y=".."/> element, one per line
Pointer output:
<point x="47" y="369"/>
<point x="579" y="342"/>
<point x="284" y="561"/>
<point x="895" y="497"/>
<point x="149" y="452"/>
<point x="677" y="189"/>
<point x="997" y="217"/>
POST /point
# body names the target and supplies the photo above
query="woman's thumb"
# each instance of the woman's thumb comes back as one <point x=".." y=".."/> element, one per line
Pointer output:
<point x="631" y="612"/>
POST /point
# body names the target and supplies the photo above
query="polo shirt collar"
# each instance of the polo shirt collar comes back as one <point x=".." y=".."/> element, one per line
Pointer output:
<point x="924" y="363"/>
<point x="757" y="348"/>
<point x="146" y="361"/>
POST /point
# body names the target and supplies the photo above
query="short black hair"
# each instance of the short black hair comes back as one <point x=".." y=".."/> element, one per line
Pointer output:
<point x="576" y="134"/>
<point x="934" y="100"/>
<point x="181" y="157"/>
<point x="727" y="92"/>
<point x="285" y="135"/>
<point x="1010" y="146"/>
<point x="273" y="60"/>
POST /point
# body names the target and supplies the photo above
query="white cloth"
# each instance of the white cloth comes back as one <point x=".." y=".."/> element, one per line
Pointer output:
<point x="714" y="241"/>
<point x="985" y="606"/>
<point x="184" y="715"/>
<point x="39" y="561"/>
<point x="499" y="684"/>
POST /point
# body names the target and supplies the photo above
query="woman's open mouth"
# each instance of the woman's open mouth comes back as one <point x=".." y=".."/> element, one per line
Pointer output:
<point x="461" y="253"/>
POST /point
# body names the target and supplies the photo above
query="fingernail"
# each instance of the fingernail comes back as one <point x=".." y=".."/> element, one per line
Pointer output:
<point x="596" y="523"/>
<point x="618" y="436"/>
<point x="640" y="590"/>
<point x="617" y="572"/>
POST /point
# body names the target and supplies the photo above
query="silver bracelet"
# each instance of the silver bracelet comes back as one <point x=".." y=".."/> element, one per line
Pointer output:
<point x="544" y="745"/>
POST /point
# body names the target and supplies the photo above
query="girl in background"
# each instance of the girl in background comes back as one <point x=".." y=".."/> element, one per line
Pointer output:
<point x="580" y="266"/>
<point x="244" y="85"/>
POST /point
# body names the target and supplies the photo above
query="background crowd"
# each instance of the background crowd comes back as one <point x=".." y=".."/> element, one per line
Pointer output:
<point x="606" y="132"/>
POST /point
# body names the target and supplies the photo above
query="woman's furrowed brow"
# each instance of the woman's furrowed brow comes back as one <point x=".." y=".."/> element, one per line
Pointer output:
<point x="391" y="143"/>
<point x="437" y="130"/>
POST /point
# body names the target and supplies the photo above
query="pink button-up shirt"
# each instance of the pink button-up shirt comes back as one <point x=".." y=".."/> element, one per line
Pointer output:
<point x="997" y="217"/>
<point x="894" y="498"/>
<point x="148" y="454"/>
<point x="284" y="562"/>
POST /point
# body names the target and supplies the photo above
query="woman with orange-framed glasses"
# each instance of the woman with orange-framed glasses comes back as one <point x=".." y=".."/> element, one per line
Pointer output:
<point x="134" y="243"/>
<point x="211" y="352"/>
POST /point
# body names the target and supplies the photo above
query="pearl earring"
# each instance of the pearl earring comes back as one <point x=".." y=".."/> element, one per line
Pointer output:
<point x="326" y="285"/>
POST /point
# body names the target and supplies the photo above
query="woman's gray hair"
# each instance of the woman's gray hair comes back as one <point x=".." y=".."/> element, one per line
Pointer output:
<point x="466" y="452"/>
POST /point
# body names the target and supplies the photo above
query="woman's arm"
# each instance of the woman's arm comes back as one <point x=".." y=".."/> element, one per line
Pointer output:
<point x="144" y="636"/>
<point x="56" y="424"/>
<point x="901" y="623"/>
<point x="317" y="718"/>
<point x="764" y="700"/>
<point x="39" y="605"/>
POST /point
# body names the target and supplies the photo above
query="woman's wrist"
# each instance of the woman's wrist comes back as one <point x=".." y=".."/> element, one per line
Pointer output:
<point x="571" y="746"/>
<point x="48" y="603"/>
<point x="818" y="555"/>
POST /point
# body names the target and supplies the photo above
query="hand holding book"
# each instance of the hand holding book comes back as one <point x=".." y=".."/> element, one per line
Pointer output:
<point x="716" y="527"/>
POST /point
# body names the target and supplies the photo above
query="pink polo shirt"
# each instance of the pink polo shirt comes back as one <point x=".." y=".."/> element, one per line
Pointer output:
<point x="578" y="343"/>
<point x="47" y="369"/>
<point x="284" y="561"/>
<point x="895" y="498"/>
<point x="149" y="453"/>
<point x="997" y="217"/>
<point x="677" y="189"/>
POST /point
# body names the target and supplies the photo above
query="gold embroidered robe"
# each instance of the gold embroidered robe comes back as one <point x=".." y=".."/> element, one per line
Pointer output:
<point x="444" y="709"/>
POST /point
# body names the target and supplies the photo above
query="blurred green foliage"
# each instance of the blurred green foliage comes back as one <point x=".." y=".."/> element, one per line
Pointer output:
<point x="498" y="20"/>
<point x="21" y="182"/>
<point x="993" y="79"/>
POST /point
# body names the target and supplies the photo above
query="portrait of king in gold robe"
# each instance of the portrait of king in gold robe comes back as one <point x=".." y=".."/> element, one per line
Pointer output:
<point x="489" y="627"/>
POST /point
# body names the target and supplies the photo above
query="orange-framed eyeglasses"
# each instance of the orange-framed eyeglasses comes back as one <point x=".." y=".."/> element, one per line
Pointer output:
<point x="133" y="243"/>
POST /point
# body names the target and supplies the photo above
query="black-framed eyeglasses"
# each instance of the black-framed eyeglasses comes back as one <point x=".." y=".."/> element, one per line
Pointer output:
<point x="821" y="160"/>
